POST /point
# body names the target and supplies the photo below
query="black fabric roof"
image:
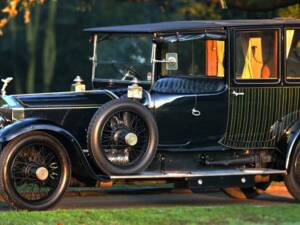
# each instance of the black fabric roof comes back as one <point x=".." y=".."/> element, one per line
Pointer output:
<point x="175" y="26"/>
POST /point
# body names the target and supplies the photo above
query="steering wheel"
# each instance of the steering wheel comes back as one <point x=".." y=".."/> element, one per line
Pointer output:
<point x="131" y="73"/>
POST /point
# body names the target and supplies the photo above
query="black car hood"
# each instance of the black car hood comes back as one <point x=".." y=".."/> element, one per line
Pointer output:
<point x="64" y="99"/>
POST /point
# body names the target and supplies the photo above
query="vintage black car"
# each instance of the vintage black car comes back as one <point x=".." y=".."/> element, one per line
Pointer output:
<point x="202" y="104"/>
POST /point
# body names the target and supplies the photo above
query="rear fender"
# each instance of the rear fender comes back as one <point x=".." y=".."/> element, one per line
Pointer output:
<point x="292" y="138"/>
<point x="78" y="159"/>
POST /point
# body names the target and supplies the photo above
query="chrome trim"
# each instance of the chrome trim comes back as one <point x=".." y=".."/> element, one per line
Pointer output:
<point x="196" y="112"/>
<point x="54" y="93"/>
<point x="153" y="57"/>
<point x="238" y="93"/>
<point x="62" y="107"/>
<point x="12" y="102"/>
<point x="207" y="173"/>
<point x="112" y="94"/>
<point x="5" y="82"/>
<point x="15" y="105"/>
<point x="151" y="103"/>
<point x="94" y="58"/>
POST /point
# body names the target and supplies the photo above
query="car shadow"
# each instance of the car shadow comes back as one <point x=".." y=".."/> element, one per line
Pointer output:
<point x="158" y="198"/>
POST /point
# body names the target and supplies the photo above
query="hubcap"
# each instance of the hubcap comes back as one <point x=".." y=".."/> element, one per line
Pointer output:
<point x="42" y="173"/>
<point x="131" y="139"/>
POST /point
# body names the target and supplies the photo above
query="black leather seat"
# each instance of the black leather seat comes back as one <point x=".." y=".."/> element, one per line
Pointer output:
<point x="186" y="85"/>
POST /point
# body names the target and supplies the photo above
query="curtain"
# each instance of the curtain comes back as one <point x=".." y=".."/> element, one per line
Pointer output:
<point x="289" y="34"/>
<point x="220" y="53"/>
<point x="215" y="58"/>
<point x="253" y="58"/>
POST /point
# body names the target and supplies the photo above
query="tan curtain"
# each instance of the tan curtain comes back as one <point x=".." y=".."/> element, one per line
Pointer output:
<point x="289" y="34"/>
<point x="221" y="51"/>
<point x="253" y="59"/>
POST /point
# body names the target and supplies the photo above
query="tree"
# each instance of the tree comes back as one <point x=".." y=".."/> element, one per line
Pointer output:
<point x="14" y="7"/>
<point x="49" y="56"/>
<point x="52" y="32"/>
<point x="258" y="5"/>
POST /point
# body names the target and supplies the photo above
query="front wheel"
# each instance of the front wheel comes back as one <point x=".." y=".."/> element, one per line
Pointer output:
<point x="34" y="171"/>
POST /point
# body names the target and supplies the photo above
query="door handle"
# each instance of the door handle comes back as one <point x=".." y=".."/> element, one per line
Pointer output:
<point x="238" y="93"/>
<point x="196" y="112"/>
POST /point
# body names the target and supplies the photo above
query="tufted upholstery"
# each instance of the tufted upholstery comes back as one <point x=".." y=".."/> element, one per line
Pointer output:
<point x="185" y="85"/>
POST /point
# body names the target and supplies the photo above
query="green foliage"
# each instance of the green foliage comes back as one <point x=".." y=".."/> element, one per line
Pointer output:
<point x="291" y="11"/>
<point x="50" y="51"/>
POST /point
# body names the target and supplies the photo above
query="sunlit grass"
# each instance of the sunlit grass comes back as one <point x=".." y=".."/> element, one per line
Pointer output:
<point x="233" y="214"/>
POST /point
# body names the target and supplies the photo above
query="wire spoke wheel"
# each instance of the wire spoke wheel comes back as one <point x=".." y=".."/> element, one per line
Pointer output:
<point x="34" y="171"/>
<point x="122" y="137"/>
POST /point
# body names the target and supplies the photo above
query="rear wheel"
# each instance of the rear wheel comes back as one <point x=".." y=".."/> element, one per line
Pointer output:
<point x="292" y="179"/>
<point x="34" y="171"/>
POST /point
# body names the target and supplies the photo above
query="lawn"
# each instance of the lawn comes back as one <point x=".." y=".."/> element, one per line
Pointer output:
<point x="231" y="214"/>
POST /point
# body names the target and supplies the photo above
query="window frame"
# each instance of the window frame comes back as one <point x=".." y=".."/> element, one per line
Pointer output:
<point x="225" y="63"/>
<point x="286" y="80"/>
<point x="257" y="81"/>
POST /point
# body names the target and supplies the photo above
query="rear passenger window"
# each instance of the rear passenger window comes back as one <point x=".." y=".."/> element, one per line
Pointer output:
<point x="256" y="55"/>
<point x="292" y="54"/>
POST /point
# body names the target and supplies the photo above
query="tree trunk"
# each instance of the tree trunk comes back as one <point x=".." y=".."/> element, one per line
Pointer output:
<point x="13" y="30"/>
<point x="49" y="57"/>
<point x="31" y="38"/>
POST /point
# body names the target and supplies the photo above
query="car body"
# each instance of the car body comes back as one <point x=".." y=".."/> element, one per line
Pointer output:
<point x="228" y="117"/>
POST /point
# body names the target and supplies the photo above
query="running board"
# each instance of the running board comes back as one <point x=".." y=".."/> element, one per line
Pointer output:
<point x="202" y="173"/>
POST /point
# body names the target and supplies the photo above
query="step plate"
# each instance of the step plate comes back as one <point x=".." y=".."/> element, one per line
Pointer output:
<point x="202" y="173"/>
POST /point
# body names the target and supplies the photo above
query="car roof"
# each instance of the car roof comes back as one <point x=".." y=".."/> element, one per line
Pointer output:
<point x="177" y="26"/>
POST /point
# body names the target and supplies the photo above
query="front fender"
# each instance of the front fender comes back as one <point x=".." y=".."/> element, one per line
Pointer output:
<point x="18" y="128"/>
<point x="78" y="159"/>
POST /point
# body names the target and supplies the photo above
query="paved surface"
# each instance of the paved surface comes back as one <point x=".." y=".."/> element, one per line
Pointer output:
<point x="163" y="198"/>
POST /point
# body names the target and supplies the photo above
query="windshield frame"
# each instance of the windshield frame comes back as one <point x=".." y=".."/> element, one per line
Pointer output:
<point x="95" y="62"/>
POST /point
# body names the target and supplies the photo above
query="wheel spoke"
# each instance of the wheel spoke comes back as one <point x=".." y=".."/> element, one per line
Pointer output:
<point x="26" y="161"/>
<point x="115" y="149"/>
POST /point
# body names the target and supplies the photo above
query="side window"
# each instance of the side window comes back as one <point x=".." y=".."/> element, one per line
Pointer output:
<point x="292" y="54"/>
<point x="256" y="55"/>
<point x="196" y="58"/>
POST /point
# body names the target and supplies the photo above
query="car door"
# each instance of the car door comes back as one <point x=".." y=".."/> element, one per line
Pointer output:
<point x="257" y="99"/>
<point x="191" y="102"/>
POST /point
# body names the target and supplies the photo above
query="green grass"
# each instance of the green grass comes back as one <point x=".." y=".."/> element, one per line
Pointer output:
<point x="231" y="214"/>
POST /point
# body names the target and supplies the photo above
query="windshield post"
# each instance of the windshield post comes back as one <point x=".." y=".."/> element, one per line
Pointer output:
<point x="94" y="58"/>
<point x="153" y="58"/>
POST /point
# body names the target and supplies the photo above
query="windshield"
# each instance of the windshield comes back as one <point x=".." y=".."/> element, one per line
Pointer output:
<point x="124" y="58"/>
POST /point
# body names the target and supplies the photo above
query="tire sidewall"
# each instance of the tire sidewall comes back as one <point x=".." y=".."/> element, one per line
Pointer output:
<point x="292" y="185"/>
<point x="7" y="157"/>
<point x="100" y="118"/>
